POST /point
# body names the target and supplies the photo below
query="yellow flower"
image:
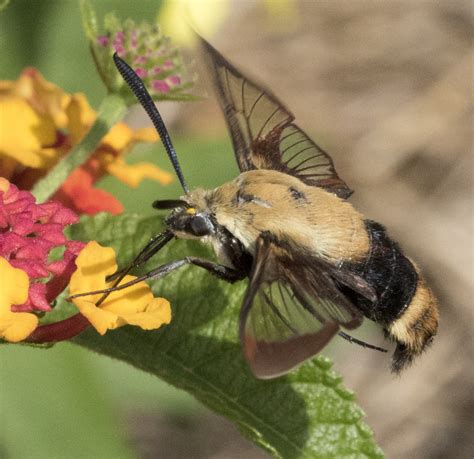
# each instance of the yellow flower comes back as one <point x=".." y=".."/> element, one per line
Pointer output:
<point x="40" y="123"/>
<point x="4" y="184"/>
<point x="14" y="326"/>
<point x="122" y="137"/>
<point x="26" y="134"/>
<point x="133" y="306"/>
<point x="208" y="16"/>
<point x="205" y="15"/>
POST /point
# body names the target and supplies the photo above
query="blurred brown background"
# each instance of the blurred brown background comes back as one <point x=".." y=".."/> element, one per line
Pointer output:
<point x="386" y="87"/>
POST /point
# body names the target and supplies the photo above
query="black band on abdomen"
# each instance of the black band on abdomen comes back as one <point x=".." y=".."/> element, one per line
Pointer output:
<point x="390" y="273"/>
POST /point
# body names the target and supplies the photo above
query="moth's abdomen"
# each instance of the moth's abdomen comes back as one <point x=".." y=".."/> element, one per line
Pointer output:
<point x="416" y="326"/>
<point x="405" y="307"/>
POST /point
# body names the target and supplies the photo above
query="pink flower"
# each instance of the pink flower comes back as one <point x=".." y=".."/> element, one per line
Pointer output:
<point x="28" y="234"/>
<point x="141" y="72"/>
<point x="173" y="80"/>
<point x="160" y="86"/>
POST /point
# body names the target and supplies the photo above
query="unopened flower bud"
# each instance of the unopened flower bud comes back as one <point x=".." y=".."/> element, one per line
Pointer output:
<point x="156" y="61"/>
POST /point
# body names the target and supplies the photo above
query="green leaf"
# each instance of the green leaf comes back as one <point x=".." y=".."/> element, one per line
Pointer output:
<point x="307" y="413"/>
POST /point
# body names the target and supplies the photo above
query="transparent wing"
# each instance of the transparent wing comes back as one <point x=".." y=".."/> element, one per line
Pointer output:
<point x="301" y="157"/>
<point x="290" y="312"/>
<point x="262" y="129"/>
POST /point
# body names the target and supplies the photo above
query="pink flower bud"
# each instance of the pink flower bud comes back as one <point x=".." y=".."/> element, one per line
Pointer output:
<point x="141" y="72"/>
<point x="173" y="80"/>
<point x="103" y="40"/>
<point x="160" y="86"/>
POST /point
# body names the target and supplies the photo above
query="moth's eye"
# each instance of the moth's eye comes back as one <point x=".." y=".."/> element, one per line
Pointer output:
<point x="200" y="226"/>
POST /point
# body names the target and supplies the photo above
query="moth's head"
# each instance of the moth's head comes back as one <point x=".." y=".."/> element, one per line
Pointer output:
<point x="190" y="216"/>
<point x="188" y="222"/>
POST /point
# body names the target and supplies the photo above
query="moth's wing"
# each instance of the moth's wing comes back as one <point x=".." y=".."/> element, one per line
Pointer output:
<point x="290" y="312"/>
<point x="262" y="129"/>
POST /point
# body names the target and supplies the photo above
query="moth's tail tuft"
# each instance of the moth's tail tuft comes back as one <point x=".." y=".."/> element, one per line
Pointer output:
<point x="415" y="329"/>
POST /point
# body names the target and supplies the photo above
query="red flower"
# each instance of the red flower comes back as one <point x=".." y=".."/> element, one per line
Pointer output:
<point x="79" y="194"/>
<point x="28" y="234"/>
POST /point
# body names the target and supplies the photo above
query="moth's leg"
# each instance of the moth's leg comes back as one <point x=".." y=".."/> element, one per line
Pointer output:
<point x="155" y="244"/>
<point x="218" y="270"/>
<point x="221" y="271"/>
<point x="351" y="339"/>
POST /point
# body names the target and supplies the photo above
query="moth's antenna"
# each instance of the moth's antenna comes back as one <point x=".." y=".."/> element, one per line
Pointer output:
<point x="141" y="93"/>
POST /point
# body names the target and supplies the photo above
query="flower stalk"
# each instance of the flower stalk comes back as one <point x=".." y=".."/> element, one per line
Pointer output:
<point x="111" y="110"/>
<point x="59" y="331"/>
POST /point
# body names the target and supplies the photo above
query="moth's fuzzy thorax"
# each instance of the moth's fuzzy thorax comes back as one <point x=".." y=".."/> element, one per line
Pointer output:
<point x="306" y="217"/>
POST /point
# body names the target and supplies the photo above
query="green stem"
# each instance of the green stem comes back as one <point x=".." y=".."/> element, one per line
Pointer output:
<point x="111" y="110"/>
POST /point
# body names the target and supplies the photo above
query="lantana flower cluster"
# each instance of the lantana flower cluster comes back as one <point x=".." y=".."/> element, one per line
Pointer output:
<point x="155" y="60"/>
<point x="29" y="233"/>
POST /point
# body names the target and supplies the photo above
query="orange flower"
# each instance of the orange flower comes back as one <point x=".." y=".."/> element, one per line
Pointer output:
<point x="41" y="123"/>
